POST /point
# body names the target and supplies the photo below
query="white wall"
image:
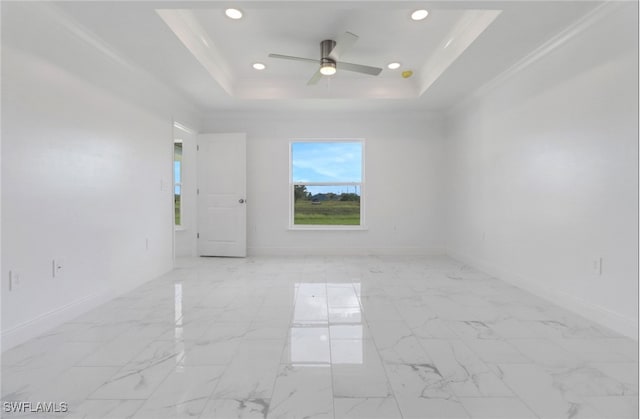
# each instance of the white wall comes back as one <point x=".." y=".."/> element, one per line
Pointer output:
<point x="86" y="179"/>
<point x="543" y="174"/>
<point x="403" y="165"/>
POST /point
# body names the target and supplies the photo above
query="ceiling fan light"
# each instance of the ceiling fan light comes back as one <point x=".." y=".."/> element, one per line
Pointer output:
<point x="419" y="14"/>
<point x="393" y="66"/>
<point x="233" y="14"/>
<point x="328" y="69"/>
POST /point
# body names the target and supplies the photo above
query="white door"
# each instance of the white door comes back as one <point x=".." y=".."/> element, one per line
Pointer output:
<point x="222" y="210"/>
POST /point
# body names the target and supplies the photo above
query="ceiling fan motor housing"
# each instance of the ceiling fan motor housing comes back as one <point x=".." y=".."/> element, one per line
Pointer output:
<point x="327" y="64"/>
<point x="326" y="47"/>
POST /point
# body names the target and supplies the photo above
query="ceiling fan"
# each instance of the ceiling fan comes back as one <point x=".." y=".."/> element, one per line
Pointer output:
<point x="330" y="52"/>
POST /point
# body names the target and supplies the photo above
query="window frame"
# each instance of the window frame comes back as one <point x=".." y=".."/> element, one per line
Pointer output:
<point x="361" y="184"/>
<point x="180" y="184"/>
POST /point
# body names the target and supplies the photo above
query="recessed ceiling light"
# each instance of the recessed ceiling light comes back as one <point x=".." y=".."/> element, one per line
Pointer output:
<point x="419" y="14"/>
<point x="393" y="66"/>
<point x="233" y="13"/>
<point x="259" y="66"/>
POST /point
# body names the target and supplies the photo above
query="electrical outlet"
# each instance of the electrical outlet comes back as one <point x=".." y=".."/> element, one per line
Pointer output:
<point x="597" y="266"/>
<point x="57" y="268"/>
<point x="14" y="280"/>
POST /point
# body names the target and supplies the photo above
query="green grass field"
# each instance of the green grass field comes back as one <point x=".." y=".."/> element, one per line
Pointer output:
<point x="176" y="201"/>
<point x="327" y="213"/>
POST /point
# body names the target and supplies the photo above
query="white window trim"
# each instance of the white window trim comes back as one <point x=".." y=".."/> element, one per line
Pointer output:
<point x="312" y="227"/>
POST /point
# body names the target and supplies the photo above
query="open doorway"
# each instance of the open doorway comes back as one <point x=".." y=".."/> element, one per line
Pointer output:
<point x="184" y="191"/>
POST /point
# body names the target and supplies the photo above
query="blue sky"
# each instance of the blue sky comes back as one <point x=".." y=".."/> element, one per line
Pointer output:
<point x="327" y="161"/>
<point x="176" y="175"/>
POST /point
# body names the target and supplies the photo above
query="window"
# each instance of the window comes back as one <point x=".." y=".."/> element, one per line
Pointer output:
<point x="177" y="181"/>
<point x="327" y="183"/>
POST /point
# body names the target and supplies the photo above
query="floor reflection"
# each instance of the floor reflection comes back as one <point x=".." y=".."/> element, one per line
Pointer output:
<point x="327" y="324"/>
<point x="178" y="332"/>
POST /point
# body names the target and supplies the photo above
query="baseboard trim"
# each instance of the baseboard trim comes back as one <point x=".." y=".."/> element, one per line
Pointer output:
<point x="338" y="251"/>
<point x="619" y="323"/>
<point x="51" y="319"/>
<point x="46" y="321"/>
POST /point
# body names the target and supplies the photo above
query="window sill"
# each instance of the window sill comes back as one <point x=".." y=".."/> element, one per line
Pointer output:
<point x="178" y="228"/>
<point x="327" y="228"/>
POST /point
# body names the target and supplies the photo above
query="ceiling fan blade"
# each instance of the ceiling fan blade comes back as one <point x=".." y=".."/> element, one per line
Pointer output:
<point x="358" y="68"/>
<point x="289" y="57"/>
<point x="343" y="44"/>
<point x="315" y="78"/>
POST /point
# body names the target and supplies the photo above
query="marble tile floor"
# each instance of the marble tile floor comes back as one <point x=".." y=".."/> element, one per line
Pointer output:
<point x="326" y="337"/>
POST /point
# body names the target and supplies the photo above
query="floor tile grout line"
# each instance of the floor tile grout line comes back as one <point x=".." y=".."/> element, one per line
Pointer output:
<point x="333" y="395"/>
<point x="524" y="402"/>
<point x="375" y="345"/>
<point x="463" y="342"/>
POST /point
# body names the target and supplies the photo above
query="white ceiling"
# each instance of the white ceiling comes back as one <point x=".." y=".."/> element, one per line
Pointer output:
<point x="193" y="48"/>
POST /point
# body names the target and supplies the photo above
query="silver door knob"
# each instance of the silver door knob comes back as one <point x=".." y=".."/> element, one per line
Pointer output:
<point x="241" y="201"/>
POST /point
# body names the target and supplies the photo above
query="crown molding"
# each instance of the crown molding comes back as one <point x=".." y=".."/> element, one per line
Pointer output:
<point x="84" y="35"/>
<point x="578" y="27"/>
